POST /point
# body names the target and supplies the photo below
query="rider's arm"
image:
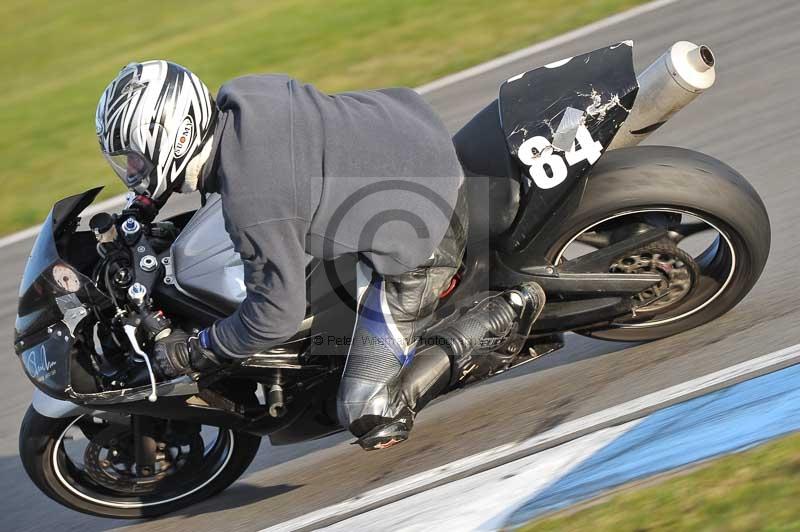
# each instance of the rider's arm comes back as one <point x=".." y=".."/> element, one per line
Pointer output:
<point x="273" y="253"/>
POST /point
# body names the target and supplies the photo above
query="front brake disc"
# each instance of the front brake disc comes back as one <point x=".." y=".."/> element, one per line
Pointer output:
<point x="109" y="461"/>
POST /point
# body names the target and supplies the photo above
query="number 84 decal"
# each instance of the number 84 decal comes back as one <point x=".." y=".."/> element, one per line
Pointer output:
<point x="546" y="166"/>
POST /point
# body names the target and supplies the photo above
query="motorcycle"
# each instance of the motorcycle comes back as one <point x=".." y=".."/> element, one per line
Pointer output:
<point x="629" y="243"/>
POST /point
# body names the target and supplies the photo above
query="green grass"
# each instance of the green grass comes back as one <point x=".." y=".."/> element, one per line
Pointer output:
<point x="755" y="490"/>
<point x="56" y="58"/>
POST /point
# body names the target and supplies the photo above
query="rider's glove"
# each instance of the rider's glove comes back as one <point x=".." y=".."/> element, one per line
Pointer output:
<point x="180" y="354"/>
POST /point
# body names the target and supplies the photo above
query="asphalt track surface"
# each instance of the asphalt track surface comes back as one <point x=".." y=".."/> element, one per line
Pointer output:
<point x="748" y="120"/>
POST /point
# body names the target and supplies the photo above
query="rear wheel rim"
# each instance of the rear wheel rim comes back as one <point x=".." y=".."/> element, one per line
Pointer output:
<point x="720" y="252"/>
<point x="74" y="477"/>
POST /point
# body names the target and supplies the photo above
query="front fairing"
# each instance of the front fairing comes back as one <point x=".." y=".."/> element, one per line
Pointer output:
<point x="47" y="363"/>
<point x="37" y="307"/>
<point x="55" y="293"/>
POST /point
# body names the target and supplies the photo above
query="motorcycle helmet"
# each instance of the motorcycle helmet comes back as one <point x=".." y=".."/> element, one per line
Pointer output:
<point x="151" y="121"/>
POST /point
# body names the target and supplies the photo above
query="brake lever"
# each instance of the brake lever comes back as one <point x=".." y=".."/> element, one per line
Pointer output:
<point x="130" y="332"/>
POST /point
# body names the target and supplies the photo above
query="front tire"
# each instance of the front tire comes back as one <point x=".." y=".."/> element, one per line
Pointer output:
<point x="41" y="447"/>
<point x="642" y="180"/>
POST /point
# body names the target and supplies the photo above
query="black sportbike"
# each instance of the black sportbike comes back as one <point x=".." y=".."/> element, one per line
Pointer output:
<point x="629" y="243"/>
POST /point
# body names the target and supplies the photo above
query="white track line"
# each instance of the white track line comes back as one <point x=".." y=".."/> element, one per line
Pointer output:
<point x="30" y="232"/>
<point x="485" y="501"/>
<point x="563" y="433"/>
<point x="435" y="85"/>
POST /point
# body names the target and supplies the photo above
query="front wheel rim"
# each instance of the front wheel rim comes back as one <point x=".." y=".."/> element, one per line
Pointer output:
<point x="65" y="478"/>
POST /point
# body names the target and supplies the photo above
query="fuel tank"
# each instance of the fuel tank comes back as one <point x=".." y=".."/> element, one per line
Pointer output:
<point x="205" y="265"/>
<point x="207" y="268"/>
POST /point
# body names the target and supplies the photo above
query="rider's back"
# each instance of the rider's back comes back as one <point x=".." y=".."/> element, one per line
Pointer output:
<point x="301" y="172"/>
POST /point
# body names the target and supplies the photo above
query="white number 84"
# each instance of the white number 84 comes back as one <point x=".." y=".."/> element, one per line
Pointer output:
<point x="538" y="155"/>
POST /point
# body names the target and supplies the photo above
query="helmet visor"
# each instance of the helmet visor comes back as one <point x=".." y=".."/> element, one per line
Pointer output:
<point x="132" y="167"/>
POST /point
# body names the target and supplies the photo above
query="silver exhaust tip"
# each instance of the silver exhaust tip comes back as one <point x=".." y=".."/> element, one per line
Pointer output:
<point x="676" y="78"/>
<point x="691" y="66"/>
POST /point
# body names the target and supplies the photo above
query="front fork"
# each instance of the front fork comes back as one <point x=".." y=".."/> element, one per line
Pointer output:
<point x="145" y="444"/>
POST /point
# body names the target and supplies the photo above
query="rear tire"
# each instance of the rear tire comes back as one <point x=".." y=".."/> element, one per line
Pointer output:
<point x="38" y="440"/>
<point x="661" y="177"/>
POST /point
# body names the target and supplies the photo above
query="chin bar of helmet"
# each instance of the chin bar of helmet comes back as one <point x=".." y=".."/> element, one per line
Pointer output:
<point x="142" y="207"/>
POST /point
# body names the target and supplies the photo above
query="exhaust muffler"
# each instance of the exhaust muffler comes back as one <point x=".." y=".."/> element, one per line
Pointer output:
<point x="676" y="78"/>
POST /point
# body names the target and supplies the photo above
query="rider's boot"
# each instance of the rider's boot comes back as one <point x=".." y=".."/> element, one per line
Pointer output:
<point x="427" y="376"/>
<point x="387" y="417"/>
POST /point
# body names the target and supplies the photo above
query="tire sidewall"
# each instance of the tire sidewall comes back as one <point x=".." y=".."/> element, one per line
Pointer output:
<point x="659" y="177"/>
<point x="40" y="434"/>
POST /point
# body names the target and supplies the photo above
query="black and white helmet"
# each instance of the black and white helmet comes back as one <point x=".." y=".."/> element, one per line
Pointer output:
<point x="152" y="119"/>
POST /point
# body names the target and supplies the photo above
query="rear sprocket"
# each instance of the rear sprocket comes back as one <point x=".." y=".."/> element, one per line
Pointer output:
<point x="678" y="270"/>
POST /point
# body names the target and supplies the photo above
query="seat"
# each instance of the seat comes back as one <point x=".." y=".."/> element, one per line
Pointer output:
<point x="492" y="178"/>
